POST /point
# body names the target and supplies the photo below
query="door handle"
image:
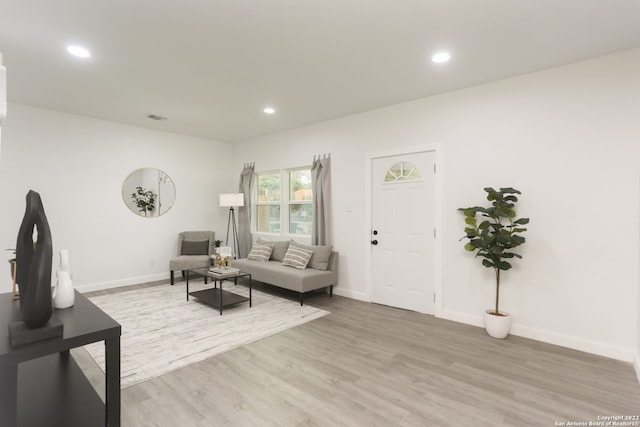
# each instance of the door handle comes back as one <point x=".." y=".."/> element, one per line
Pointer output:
<point x="374" y="242"/>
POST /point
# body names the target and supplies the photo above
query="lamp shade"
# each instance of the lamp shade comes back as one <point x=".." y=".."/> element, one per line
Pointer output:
<point x="231" y="199"/>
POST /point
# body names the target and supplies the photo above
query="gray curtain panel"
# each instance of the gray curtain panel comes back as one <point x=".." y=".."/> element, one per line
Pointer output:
<point x="244" y="212"/>
<point x="321" y="186"/>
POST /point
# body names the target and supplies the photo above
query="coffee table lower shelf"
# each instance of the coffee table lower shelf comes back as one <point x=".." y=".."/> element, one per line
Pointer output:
<point x="215" y="296"/>
<point x="212" y="297"/>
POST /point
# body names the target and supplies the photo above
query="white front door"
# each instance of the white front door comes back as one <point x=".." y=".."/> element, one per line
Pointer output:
<point x="403" y="231"/>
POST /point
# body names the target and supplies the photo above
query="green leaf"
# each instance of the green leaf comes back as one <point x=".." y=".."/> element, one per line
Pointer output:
<point x="487" y="263"/>
<point x="471" y="232"/>
<point x="503" y="237"/>
<point x="469" y="247"/>
<point x="496" y="250"/>
<point x="509" y="190"/>
<point x="517" y="240"/>
<point x="471" y="220"/>
<point x="504" y="265"/>
<point x="478" y="243"/>
<point x="521" y="221"/>
<point x="509" y="213"/>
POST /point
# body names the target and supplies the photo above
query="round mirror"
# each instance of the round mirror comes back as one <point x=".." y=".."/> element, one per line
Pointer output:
<point x="148" y="192"/>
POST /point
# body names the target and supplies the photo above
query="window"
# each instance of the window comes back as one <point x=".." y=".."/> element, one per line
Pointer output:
<point x="402" y="171"/>
<point x="284" y="197"/>
<point x="268" y="203"/>
<point x="300" y="197"/>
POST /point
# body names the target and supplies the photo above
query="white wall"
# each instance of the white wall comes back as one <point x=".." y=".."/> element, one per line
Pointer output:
<point x="79" y="164"/>
<point x="568" y="138"/>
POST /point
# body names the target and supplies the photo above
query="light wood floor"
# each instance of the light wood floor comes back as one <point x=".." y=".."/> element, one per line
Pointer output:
<point x="371" y="365"/>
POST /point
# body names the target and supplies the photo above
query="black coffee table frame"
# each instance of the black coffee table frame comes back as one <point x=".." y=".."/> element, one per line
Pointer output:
<point x="216" y="296"/>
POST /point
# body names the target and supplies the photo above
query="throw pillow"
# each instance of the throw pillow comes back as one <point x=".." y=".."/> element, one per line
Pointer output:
<point x="321" y="254"/>
<point x="279" y="247"/>
<point x="260" y="252"/>
<point x="297" y="257"/>
<point x="195" y="248"/>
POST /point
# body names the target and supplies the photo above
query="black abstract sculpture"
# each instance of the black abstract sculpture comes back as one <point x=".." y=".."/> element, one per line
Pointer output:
<point x="33" y="262"/>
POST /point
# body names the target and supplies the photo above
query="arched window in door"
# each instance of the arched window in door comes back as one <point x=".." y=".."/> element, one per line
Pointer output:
<point x="402" y="171"/>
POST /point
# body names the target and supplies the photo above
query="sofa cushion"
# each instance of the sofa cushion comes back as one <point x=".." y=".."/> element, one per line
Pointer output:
<point x="260" y="252"/>
<point x="279" y="247"/>
<point x="297" y="257"/>
<point x="321" y="254"/>
<point x="195" y="248"/>
<point x="188" y="262"/>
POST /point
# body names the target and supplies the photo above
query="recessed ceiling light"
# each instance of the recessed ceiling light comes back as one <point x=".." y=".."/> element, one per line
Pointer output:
<point x="441" y="57"/>
<point x="78" y="51"/>
<point x="269" y="110"/>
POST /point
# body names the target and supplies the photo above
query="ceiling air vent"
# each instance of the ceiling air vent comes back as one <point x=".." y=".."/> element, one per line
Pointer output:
<point x="155" y="117"/>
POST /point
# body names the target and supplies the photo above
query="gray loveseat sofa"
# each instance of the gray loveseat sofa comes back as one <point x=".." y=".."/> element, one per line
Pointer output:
<point x="321" y="272"/>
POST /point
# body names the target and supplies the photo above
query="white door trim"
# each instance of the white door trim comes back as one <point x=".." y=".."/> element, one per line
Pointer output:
<point x="437" y="148"/>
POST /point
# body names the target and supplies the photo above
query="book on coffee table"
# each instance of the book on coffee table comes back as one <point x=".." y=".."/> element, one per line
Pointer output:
<point x="224" y="271"/>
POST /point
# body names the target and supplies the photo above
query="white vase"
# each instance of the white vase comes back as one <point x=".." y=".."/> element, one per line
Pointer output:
<point x="497" y="326"/>
<point x="64" y="294"/>
<point x="64" y="261"/>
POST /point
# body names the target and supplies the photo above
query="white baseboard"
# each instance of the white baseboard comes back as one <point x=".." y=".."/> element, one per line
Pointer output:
<point x="350" y="294"/>
<point x="90" y="287"/>
<point x="462" y="318"/>
<point x="589" y="346"/>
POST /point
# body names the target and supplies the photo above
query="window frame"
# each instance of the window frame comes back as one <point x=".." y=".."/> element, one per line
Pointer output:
<point x="257" y="203"/>
<point x="285" y="204"/>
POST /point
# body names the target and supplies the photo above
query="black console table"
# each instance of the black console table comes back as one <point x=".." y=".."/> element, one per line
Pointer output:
<point x="42" y="385"/>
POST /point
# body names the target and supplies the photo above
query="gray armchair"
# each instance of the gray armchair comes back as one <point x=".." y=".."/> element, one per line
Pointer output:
<point x="194" y="251"/>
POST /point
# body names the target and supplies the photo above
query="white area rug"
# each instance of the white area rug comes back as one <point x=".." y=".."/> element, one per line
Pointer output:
<point x="162" y="332"/>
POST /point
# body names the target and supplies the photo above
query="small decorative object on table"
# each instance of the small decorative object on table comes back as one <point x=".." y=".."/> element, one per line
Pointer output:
<point x="33" y="276"/>
<point x="64" y="294"/>
<point x="222" y="262"/>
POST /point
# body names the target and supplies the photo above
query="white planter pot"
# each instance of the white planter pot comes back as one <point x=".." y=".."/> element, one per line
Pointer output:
<point x="497" y="326"/>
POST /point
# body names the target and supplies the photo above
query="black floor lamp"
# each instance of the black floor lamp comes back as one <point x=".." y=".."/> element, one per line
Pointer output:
<point x="230" y="200"/>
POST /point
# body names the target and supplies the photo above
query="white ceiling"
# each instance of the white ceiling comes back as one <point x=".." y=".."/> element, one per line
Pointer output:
<point x="211" y="66"/>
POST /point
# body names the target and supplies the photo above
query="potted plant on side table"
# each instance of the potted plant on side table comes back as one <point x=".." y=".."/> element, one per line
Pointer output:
<point x="493" y="236"/>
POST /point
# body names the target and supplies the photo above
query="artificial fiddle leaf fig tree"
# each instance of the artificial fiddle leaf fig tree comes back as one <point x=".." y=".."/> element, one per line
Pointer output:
<point x="495" y="233"/>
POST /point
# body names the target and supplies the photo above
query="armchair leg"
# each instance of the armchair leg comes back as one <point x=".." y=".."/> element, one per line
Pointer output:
<point x="331" y="291"/>
<point x="171" y="277"/>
